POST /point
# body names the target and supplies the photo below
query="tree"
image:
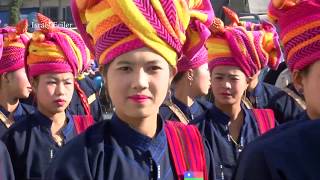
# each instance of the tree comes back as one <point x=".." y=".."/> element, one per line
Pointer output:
<point x="15" y="11"/>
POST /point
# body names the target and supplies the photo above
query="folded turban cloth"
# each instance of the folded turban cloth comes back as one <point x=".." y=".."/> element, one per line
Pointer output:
<point x="200" y="58"/>
<point x="246" y="45"/>
<point x="13" y="41"/>
<point x="113" y="27"/>
<point x="56" y="50"/>
<point x="299" y="23"/>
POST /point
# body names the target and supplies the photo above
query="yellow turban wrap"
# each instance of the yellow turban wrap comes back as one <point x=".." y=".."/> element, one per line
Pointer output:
<point x="113" y="27"/>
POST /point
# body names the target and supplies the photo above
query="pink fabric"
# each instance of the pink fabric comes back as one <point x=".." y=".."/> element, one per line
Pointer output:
<point x="77" y="39"/>
<point x="124" y="48"/>
<point x="12" y="58"/>
<point x="289" y="19"/>
<point x="1" y="44"/>
<point x="245" y="62"/>
<point x="150" y="13"/>
<point x="81" y="27"/>
<point x="228" y="61"/>
<point x="44" y="68"/>
<point x="200" y="58"/>
<point x="59" y="38"/>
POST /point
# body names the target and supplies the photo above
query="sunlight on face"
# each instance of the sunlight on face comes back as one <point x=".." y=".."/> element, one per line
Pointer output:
<point x="54" y="92"/>
<point x="137" y="83"/>
<point x="311" y="86"/>
<point x="201" y="81"/>
<point x="228" y="84"/>
<point x="19" y="84"/>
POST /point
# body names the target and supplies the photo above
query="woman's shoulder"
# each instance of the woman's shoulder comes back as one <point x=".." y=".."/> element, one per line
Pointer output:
<point x="205" y="103"/>
<point x="23" y="123"/>
<point x="29" y="109"/>
<point x="291" y="134"/>
<point x="81" y="157"/>
<point x="96" y="135"/>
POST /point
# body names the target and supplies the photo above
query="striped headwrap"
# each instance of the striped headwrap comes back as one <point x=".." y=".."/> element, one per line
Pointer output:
<point x="113" y="27"/>
<point x="56" y="50"/>
<point x="198" y="59"/>
<point x="299" y="23"/>
<point x="246" y="45"/>
<point x="13" y="41"/>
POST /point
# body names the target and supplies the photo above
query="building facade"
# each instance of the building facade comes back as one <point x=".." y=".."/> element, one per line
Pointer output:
<point x="58" y="10"/>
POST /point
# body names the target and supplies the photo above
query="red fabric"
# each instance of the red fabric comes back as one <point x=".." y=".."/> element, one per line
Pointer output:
<point x="82" y="122"/>
<point x="83" y="98"/>
<point x="186" y="148"/>
<point x="265" y="119"/>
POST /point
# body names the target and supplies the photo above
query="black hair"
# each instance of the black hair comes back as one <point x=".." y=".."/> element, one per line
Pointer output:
<point x="178" y="77"/>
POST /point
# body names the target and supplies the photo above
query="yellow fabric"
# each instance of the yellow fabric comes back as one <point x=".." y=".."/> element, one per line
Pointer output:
<point x="99" y="17"/>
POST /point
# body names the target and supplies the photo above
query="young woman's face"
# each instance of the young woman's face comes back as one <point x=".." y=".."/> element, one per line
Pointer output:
<point x="311" y="87"/>
<point x="228" y="84"/>
<point x="54" y="92"/>
<point x="201" y="80"/>
<point x="19" y="85"/>
<point x="137" y="83"/>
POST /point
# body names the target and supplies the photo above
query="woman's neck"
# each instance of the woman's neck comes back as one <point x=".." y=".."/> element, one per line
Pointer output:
<point x="144" y="125"/>
<point x="58" y="119"/>
<point x="312" y="115"/>
<point x="236" y="120"/>
<point x="8" y="103"/>
<point x="233" y="111"/>
<point x="182" y="93"/>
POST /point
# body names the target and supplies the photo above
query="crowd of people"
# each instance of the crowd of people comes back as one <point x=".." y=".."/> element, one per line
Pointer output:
<point x="190" y="97"/>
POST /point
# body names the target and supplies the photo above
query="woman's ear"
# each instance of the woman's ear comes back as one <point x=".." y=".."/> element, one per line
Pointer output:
<point x="173" y="73"/>
<point x="190" y="74"/>
<point x="249" y="80"/>
<point x="5" y="77"/>
<point x="297" y="79"/>
<point x="34" y="84"/>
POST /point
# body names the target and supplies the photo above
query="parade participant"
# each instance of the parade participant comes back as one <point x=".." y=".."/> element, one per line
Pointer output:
<point x="291" y="151"/>
<point x="191" y="82"/>
<point x="14" y="83"/>
<point x="234" y="55"/>
<point x="263" y="95"/>
<point x="55" y="56"/>
<point x="137" y="44"/>
<point x="6" y="171"/>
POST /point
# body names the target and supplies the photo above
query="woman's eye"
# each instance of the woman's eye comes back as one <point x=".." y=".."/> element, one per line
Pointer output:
<point x="154" y="68"/>
<point x="51" y="82"/>
<point x="68" y="83"/>
<point x="124" y="68"/>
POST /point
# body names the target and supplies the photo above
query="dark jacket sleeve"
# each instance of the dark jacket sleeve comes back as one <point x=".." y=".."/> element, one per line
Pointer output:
<point x="209" y="160"/>
<point x="6" y="170"/>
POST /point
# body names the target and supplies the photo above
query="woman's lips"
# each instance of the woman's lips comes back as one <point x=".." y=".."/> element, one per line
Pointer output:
<point x="139" y="98"/>
<point x="226" y="94"/>
<point x="60" y="102"/>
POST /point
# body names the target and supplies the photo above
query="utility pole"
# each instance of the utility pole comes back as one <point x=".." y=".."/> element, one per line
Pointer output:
<point x="40" y="7"/>
<point x="60" y="11"/>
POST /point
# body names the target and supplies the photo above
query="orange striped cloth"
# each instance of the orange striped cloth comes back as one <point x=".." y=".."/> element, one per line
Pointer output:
<point x="113" y="27"/>
<point x="13" y="42"/>
<point x="246" y="45"/>
<point x="299" y="23"/>
<point x="56" y="50"/>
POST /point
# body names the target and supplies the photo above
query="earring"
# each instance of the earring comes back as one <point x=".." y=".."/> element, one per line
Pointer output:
<point x="300" y="91"/>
